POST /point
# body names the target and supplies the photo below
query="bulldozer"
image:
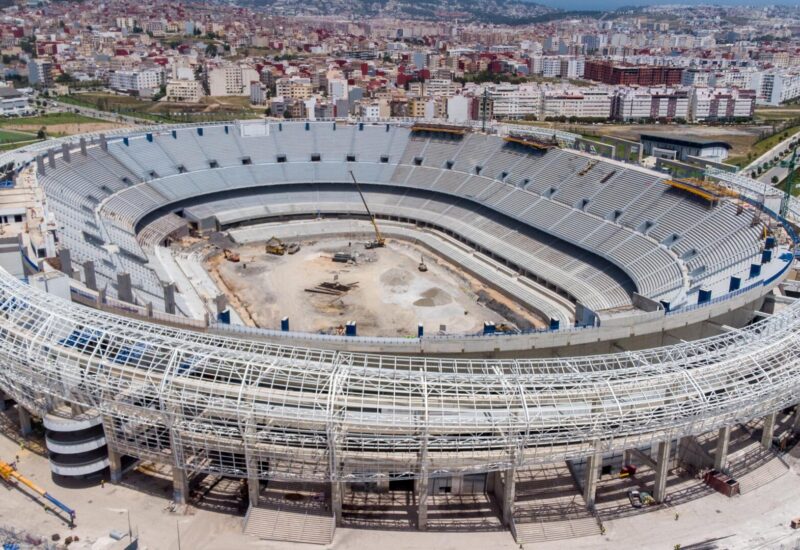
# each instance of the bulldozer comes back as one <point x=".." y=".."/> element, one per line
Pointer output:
<point x="275" y="246"/>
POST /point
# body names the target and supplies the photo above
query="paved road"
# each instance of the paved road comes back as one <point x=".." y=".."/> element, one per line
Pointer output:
<point x="776" y="171"/>
<point x="102" y="115"/>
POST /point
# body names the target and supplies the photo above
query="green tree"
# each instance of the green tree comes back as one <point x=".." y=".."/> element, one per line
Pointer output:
<point x="65" y="78"/>
<point x="211" y="50"/>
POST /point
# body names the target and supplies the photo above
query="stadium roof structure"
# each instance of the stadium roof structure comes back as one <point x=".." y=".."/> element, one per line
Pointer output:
<point x="315" y="414"/>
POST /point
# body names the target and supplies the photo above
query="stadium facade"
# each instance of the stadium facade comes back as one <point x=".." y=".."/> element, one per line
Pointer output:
<point x="620" y="252"/>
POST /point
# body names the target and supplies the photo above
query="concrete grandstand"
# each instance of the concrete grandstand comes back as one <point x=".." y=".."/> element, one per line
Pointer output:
<point x="618" y="258"/>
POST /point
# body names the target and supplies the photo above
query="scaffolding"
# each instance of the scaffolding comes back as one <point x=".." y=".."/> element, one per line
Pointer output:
<point x="240" y="408"/>
<point x="202" y="402"/>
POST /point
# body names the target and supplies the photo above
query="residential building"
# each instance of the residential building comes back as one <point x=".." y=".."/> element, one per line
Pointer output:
<point x="186" y="91"/>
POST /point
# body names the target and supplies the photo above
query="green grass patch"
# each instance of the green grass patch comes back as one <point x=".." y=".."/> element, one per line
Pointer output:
<point x="762" y="146"/>
<point x="11" y="137"/>
<point x="49" y="120"/>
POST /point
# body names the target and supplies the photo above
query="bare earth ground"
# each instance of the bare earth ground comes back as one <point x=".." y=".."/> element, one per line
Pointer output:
<point x="391" y="298"/>
<point x="71" y="129"/>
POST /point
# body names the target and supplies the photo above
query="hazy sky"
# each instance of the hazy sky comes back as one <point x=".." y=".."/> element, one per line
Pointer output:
<point x="605" y="4"/>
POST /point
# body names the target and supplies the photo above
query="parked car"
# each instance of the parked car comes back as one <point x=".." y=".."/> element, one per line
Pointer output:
<point x="635" y="498"/>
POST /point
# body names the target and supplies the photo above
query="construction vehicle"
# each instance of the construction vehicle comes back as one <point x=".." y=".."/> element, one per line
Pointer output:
<point x="293" y="248"/>
<point x="275" y="246"/>
<point x="379" y="241"/>
<point x="422" y="266"/>
<point x="10" y="475"/>
<point x="230" y="255"/>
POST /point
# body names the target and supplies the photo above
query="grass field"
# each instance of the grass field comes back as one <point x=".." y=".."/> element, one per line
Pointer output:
<point x="48" y="120"/>
<point x="762" y="146"/>
<point x="11" y="137"/>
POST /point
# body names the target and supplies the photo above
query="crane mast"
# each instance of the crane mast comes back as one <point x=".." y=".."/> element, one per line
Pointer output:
<point x="789" y="185"/>
<point x="379" y="240"/>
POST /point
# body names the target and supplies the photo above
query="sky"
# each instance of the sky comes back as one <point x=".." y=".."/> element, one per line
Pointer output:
<point x="606" y="4"/>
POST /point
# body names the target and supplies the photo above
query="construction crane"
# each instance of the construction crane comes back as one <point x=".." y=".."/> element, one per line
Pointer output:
<point x="789" y="184"/>
<point x="9" y="473"/>
<point x="379" y="241"/>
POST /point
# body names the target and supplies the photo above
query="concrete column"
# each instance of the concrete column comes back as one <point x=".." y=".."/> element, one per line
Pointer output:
<point x="721" y="454"/>
<point x="422" y="501"/>
<point x="169" y="298"/>
<point x="65" y="259"/>
<point x="662" y="471"/>
<point x="509" y="493"/>
<point x="767" y="430"/>
<point x="3" y="398"/>
<point x="89" y="276"/>
<point x="40" y="165"/>
<point x="65" y="152"/>
<point x="796" y="419"/>
<point x="337" y="497"/>
<point x="124" y="289"/>
<point x="115" y="465"/>
<point x="51" y="158"/>
<point x="83" y="146"/>
<point x="180" y="485"/>
<point x="593" y="463"/>
<point x="252" y="465"/>
<point x="627" y="457"/>
<point x="24" y="421"/>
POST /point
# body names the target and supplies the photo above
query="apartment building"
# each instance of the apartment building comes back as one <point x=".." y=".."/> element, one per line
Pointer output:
<point x="186" y="91"/>
<point x="136" y="81"/>
<point x="294" y="88"/>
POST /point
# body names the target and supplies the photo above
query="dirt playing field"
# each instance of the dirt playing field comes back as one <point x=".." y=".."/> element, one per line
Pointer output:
<point x="389" y="297"/>
<point x="70" y="129"/>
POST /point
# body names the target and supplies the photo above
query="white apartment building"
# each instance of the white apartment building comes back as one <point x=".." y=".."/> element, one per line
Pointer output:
<point x="458" y="109"/>
<point x="511" y="101"/>
<point x="697" y="77"/>
<point x="370" y="111"/>
<point x="186" y="91"/>
<point x="337" y="88"/>
<point x="776" y="87"/>
<point x="579" y="103"/>
<point x="721" y="103"/>
<point x="651" y="103"/>
<point x="441" y="87"/>
<point x="14" y="106"/>
<point x="136" y="81"/>
<point x="226" y="80"/>
<point x="258" y="93"/>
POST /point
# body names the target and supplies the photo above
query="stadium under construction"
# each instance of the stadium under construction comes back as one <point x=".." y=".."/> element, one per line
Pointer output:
<point x="663" y="344"/>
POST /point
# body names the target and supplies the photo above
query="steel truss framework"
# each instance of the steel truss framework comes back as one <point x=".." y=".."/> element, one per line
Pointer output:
<point x="208" y="403"/>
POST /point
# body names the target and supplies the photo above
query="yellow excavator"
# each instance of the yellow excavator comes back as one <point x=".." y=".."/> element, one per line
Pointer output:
<point x="275" y="246"/>
<point x="379" y="241"/>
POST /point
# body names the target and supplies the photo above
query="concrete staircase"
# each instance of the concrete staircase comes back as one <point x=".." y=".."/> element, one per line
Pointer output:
<point x="766" y="473"/>
<point x="545" y="531"/>
<point x="290" y="524"/>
